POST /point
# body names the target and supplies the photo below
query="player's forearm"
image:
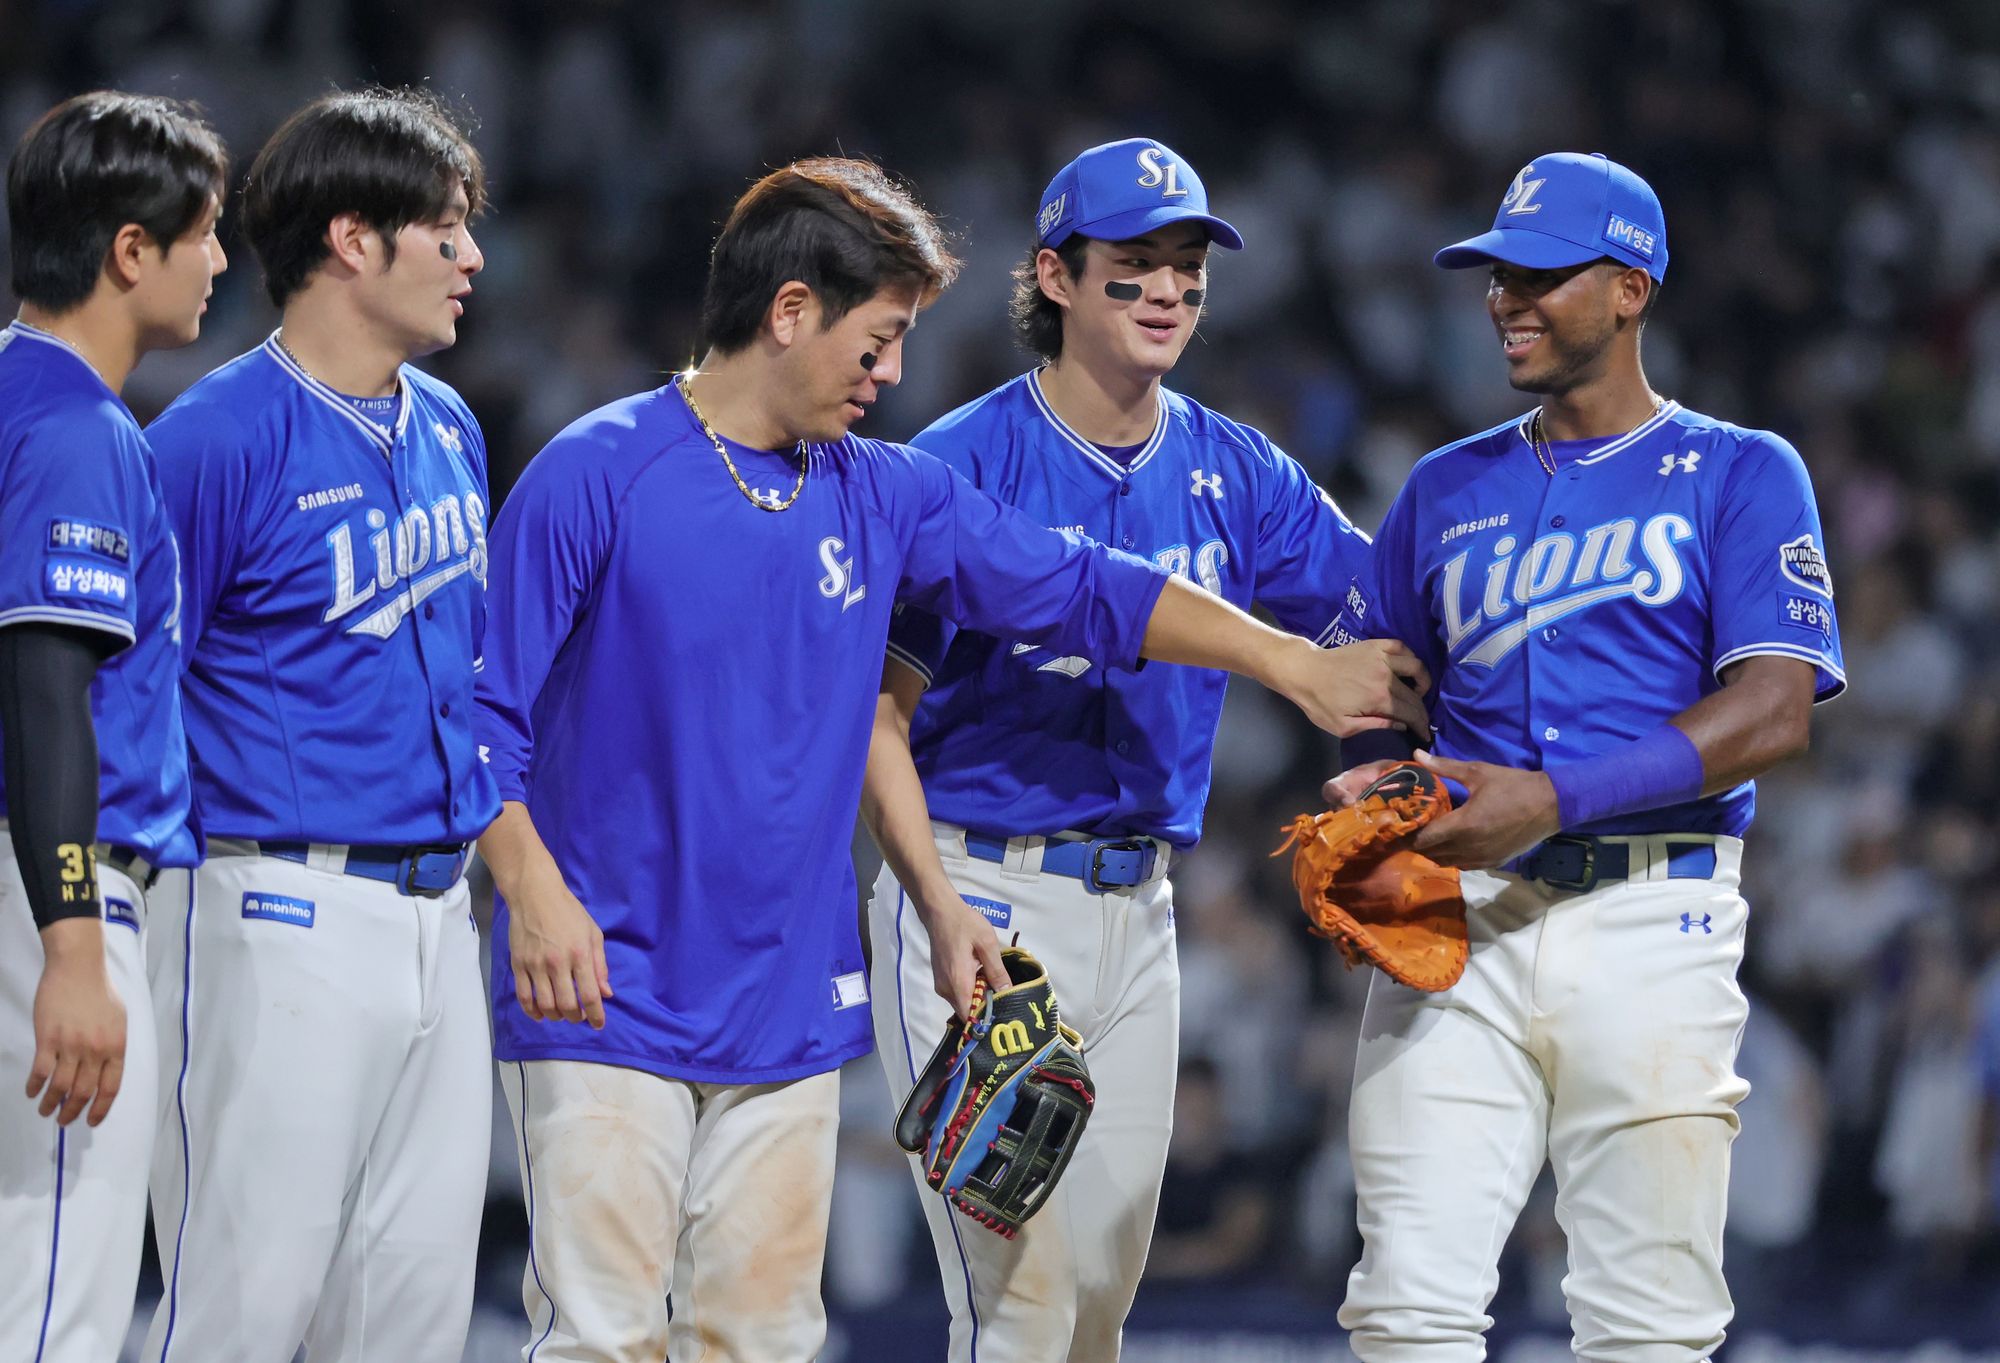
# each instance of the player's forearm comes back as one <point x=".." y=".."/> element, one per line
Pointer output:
<point x="892" y="797"/>
<point x="51" y="767"/>
<point x="1200" y="629"/>
<point x="514" y="852"/>
<point x="1760" y="717"/>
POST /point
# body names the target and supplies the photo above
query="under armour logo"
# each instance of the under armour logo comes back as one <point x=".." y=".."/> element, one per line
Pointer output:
<point x="768" y="496"/>
<point x="1211" y="484"/>
<point x="1685" y="462"/>
<point x="1520" y="196"/>
<point x="1688" y="923"/>
<point x="448" y="437"/>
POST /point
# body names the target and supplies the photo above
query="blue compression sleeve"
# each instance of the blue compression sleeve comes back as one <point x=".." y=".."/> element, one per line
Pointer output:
<point x="1661" y="769"/>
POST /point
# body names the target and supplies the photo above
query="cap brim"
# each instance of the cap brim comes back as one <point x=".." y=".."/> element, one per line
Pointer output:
<point x="1516" y="246"/>
<point x="1125" y="226"/>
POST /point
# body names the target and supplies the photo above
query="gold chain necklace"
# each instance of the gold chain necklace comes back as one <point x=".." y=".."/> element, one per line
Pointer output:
<point x="687" y="393"/>
<point x="1539" y="442"/>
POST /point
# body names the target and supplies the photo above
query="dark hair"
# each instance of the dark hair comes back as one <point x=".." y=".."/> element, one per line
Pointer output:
<point x="89" y="167"/>
<point x="1037" y="317"/>
<point x="841" y="227"/>
<point x="392" y="157"/>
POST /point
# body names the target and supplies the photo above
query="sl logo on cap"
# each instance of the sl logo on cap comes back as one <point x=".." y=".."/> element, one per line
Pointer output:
<point x="1520" y="196"/>
<point x="1156" y="170"/>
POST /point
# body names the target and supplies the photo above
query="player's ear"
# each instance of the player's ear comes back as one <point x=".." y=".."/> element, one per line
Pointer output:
<point x="347" y="241"/>
<point x="793" y="306"/>
<point x="1634" y="287"/>
<point x="1054" y="277"/>
<point x="126" y="252"/>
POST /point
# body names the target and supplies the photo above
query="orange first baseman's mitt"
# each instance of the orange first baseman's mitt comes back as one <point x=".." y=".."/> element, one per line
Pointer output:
<point x="1362" y="885"/>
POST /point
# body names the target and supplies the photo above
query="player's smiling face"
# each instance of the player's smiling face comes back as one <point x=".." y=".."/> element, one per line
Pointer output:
<point x="421" y="295"/>
<point x="1130" y="303"/>
<point x="1556" y="326"/>
<point x="831" y="379"/>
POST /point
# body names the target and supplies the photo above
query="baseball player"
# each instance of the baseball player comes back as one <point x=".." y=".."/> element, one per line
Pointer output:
<point x="1062" y="789"/>
<point x="1629" y="616"/>
<point x="112" y="201"/>
<point x="691" y="594"/>
<point x="321" y="1162"/>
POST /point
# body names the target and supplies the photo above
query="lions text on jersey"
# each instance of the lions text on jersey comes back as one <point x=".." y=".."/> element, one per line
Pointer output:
<point x="1562" y="615"/>
<point x="336" y="569"/>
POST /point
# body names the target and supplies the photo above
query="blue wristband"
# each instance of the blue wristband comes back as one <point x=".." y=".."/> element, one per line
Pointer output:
<point x="1661" y="769"/>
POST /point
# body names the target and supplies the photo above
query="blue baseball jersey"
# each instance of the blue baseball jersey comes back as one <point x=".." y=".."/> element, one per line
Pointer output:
<point x="1017" y="739"/>
<point x="681" y="688"/>
<point x="335" y="570"/>
<point x="84" y="542"/>
<point x="1560" y="616"/>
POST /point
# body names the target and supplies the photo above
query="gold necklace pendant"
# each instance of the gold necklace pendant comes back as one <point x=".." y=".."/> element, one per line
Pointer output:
<point x="687" y="393"/>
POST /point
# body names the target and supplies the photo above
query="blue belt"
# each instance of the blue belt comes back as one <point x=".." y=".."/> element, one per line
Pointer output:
<point x="1570" y="862"/>
<point x="1100" y="863"/>
<point x="428" y="871"/>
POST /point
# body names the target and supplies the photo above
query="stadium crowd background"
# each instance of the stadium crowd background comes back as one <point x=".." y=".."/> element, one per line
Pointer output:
<point x="1831" y="175"/>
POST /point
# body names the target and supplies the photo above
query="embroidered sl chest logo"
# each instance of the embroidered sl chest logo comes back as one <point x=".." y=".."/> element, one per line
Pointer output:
<point x="1684" y="462"/>
<point x="1210" y="483"/>
<point x="839" y="573"/>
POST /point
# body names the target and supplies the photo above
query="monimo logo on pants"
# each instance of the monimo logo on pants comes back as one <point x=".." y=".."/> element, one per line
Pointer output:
<point x="278" y="908"/>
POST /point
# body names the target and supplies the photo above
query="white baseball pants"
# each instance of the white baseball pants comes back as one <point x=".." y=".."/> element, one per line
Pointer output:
<point x="72" y="1199"/>
<point x="640" y="1186"/>
<point x="1060" y="1289"/>
<point x="324" y="1116"/>
<point x="1598" y="1031"/>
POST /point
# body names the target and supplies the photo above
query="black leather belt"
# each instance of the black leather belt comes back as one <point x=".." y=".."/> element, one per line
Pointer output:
<point x="128" y="862"/>
<point x="1571" y="862"/>
<point x="429" y="870"/>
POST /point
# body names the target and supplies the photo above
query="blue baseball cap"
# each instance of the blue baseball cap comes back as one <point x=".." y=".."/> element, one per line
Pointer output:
<point x="1568" y="208"/>
<point x="1123" y="190"/>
